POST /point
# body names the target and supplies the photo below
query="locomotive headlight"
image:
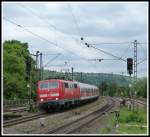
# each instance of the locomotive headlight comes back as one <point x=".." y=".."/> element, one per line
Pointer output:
<point x="56" y="98"/>
<point x="41" y="99"/>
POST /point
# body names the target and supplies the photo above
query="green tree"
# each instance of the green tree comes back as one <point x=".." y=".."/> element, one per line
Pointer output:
<point x="141" y="87"/>
<point x="14" y="69"/>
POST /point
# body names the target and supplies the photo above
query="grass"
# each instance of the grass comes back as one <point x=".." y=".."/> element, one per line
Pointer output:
<point x="124" y="129"/>
<point x="130" y="122"/>
<point x="110" y="123"/>
<point x="137" y="117"/>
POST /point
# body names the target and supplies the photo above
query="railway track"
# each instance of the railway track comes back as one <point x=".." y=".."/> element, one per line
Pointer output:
<point x="140" y="102"/>
<point x="144" y="103"/>
<point x="75" y="125"/>
<point x="16" y="110"/>
<point x="23" y="119"/>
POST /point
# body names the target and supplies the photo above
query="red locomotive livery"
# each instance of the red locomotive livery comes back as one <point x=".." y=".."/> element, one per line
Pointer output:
<point x="61" y="93"/>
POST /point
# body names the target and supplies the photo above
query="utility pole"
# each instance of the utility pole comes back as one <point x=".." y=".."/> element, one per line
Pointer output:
<point x="72" y="73"/>
<point x="37" y="54"/>
<point x="81" y="77"/>
<point x="29" y="70"/>
<point x="41" y="67"/>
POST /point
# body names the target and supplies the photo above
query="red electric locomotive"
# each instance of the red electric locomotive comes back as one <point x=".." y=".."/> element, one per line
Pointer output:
<point x="56" y="93"/>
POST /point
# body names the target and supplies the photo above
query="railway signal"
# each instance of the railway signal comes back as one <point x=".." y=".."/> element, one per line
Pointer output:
<point x="28" y="67"/>
<point x="130" y="65"/>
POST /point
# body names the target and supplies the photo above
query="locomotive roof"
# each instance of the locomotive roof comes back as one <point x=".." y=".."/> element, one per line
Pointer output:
<point x="82" y="85"/>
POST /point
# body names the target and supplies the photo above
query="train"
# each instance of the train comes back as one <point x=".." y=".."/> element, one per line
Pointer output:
<point x="58" y="93"/>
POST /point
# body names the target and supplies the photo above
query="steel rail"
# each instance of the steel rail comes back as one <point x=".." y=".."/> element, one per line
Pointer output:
<point x="22" y="119"/>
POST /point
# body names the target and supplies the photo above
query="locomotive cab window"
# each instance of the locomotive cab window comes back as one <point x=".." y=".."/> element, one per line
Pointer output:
<point x="48" y="85"/>
<point x="44" y="85"/>
<point x="53" y="85"/>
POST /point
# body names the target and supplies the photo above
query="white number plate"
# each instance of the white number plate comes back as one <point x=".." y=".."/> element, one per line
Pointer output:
<point x="43" y="95"/>
<point x="55" y="94"/>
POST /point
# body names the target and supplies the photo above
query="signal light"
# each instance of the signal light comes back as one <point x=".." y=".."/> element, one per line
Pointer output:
<point x="130" y="65"/>
<point x="28" y="66"/>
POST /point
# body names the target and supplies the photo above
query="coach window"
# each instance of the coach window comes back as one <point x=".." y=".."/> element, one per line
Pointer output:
<point x="66" y="85"/>
<point x="75" y="85"/>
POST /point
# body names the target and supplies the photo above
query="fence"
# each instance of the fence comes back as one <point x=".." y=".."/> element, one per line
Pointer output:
<point x="20" y="102"/>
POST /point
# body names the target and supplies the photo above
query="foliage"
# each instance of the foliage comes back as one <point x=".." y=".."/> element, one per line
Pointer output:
<point x="14" y="69"/>
<point x="141" y="87"/>
<point x="124" y="129"/>
<point x="127" y="116"/>
<point x="130" y="122"/>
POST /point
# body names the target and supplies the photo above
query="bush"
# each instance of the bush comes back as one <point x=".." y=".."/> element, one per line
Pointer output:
<point x="127" y="116"/>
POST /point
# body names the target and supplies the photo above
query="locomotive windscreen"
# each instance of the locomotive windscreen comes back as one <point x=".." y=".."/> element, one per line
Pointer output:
<point x="48" y="85"/>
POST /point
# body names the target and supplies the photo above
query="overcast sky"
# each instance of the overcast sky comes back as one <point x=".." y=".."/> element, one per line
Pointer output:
<point x="61" y="26"/>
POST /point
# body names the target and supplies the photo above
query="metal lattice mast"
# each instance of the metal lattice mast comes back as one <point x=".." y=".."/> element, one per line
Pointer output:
<point x="135" y="68"/>
<point x="135" y="61"/>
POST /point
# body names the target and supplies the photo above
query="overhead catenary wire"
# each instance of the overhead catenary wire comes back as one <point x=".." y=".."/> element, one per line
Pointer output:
<point x="28" y="9"/>
<point x="53" y="26"/>
<point x="74" y="18"/>
<point x="89" y="45"/>
<point x="40" y="37"/>
<point x="29" y="31"/>
<point x="142" y="61"/>
<point x="125" y="51"/>
<point x="52" y="59"/>
<point x="33" y="13"/>
<point x="111" y="43"/>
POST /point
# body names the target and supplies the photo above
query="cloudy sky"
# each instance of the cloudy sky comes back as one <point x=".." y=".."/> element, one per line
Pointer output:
<point x="56" y="28"/>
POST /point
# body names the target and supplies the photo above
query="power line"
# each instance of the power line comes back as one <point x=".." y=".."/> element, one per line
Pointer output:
<point x="142" y="61"/>
<point x="49" y="53"/>
<point x="100" y="59"/>
<point x="52" y="59"/>
<point x="40" y="36"/>
<point x="51" y="25"/>
<point x="34" y="14"/>
<point x="111" y="43"/>
<point x="29" y="31"/>
<point x="76" y="23"/>
<point x="119" y="58"/>
<point x="125" y="51"/>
